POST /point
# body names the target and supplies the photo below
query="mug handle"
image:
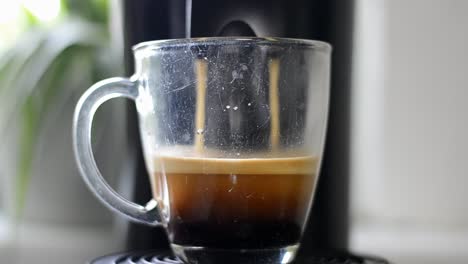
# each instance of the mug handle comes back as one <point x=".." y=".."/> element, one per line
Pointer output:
<point x="82" y="123"/>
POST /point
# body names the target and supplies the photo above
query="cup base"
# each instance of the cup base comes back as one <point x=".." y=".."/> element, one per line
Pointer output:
<point x="204" y="255"/>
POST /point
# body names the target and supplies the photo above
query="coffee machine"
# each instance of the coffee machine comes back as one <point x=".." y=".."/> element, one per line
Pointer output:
<point x="326" y="234"/>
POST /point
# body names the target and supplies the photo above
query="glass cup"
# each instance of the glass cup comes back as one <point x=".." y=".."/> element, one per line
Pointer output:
<point x="232" y="132"/>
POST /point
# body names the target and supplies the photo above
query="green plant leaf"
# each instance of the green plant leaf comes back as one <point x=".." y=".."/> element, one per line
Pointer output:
<point x="33" y="68"/>
<point x="34" y="84"/>
<point x="31" y="20"/>
<point x="29" y="120"/>
<point x="17" y="57"/>
<point x="91" y="10"/>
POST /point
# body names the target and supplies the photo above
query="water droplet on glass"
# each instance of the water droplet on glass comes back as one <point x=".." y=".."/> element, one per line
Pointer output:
<point x="238" y="154"/>
<point x="249" y="104"/>
<point x="235" y="108"/>
<point x="200" y="131"/>
<point x="228" y="106"/>
<point x="234" y="179"/>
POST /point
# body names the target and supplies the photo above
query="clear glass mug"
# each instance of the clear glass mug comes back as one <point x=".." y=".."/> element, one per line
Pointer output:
<point x="232" y="132"/>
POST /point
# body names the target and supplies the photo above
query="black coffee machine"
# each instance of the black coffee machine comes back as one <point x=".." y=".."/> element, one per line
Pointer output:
<point x="327" y="20"/>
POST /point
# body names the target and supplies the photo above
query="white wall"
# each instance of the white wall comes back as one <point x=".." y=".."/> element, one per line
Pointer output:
<point x="410" y="129"/>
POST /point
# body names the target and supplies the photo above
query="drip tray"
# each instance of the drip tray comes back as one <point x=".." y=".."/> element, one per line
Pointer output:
<point x="167" y="258"/>
<point x="138" y="258"/>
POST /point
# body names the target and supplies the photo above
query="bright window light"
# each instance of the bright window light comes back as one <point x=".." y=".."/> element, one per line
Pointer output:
<point x="9" y="11"/>
<point x="44" y="10"/>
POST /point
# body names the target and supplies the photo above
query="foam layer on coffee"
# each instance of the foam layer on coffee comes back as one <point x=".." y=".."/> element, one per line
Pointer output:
<point x="290" y="165"/>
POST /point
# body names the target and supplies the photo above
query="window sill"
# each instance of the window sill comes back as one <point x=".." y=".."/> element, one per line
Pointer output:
<point x="51" y="244"/>
<point x="411" y="245"/>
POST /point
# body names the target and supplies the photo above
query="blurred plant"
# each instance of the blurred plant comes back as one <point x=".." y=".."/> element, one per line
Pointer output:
<point x="45" y="67"/>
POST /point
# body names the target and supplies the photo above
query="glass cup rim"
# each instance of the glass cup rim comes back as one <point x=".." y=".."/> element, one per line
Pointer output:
<point x="268" y="41"/>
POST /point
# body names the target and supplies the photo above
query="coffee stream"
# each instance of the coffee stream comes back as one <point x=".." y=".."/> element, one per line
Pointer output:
<point x="247" y="203"/>
<point x="201" y="83"/>
<point x="273" y="67"/>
